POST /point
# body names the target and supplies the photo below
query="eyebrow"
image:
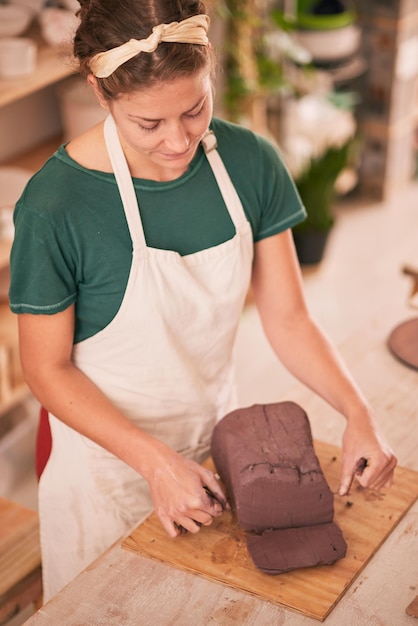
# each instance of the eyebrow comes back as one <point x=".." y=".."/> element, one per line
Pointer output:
<point x="149" y="119"/>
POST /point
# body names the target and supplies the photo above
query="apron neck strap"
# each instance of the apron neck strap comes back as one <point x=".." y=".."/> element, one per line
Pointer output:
<point x="225" y="184"/>
<point x="124" y="182"/>
<point x="127" y="190"/>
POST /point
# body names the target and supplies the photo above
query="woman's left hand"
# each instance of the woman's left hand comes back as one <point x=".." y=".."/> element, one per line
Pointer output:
<point x="277" y="286"/>
<point x="367" y="457"/>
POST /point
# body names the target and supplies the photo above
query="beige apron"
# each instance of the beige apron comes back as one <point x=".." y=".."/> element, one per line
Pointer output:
<point x="165" y="360"/>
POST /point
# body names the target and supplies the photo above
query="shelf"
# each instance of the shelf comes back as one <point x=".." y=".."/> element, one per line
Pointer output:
<point x="52" y="66"/>
<point x="35" y="158"/>
<point x="15" y="397"/>
<point x="13" y="390"/>
<point x="31" y="160"/>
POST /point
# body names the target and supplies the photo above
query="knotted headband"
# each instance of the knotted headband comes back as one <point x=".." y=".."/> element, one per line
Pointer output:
<point x="191" y="30"/>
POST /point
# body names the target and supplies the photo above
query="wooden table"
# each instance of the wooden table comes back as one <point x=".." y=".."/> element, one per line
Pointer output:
<point x="125" y="589"/>
<point x="20" y="559"/>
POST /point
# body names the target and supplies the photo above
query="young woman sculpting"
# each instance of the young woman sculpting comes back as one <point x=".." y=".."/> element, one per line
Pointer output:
<point x="134" y="249"/>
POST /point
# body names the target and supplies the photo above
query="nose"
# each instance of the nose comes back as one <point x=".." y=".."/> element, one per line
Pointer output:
<point x="177" y="139"/>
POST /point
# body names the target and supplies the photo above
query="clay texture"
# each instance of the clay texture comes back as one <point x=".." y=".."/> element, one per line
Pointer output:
<point x="266" y="459"/>
<point x="278" y="551"/>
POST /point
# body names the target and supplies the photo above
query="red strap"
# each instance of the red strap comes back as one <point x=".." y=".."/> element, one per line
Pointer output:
<point x="43" y="442"/>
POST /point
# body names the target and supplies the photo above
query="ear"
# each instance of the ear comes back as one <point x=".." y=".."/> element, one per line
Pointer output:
<point x="92" y="81"/>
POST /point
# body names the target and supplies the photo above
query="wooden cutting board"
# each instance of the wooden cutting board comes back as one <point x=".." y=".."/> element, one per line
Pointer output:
<point x="219" y="552"/>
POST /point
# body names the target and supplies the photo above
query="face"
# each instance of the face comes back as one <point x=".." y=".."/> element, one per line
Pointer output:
<point x="160" y="127"/>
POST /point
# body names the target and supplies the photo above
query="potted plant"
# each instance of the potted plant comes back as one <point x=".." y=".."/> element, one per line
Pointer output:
<point x="250" y="74"/>
<point x="318" y="141"/>
<point x="327" y="29"/>
<point x="313" y="126"/>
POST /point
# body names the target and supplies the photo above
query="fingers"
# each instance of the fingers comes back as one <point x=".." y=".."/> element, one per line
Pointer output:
<point x="348" y="477"/>
<point x="192" y="527"/>
<point x="214" y="492"/>
<point x="377" y="477"/>
<point x="199" y="510"/>
<point x="218" y="503"/>
<point x="171" y="528"/>
<point x="345" y="484"/>
<point x="186" y="496"/>
<point x="375" y="472"/>
<point x="183" y="520"/>
<point x="186" y="524"/>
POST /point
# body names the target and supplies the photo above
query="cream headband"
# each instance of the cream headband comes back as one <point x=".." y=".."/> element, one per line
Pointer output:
<point x="191" y="30"/>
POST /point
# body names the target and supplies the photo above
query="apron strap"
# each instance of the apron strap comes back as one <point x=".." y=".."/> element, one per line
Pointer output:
<point x="224" y="181"/>
<point x="125" y="184"/>
<point x="127" y="190"/>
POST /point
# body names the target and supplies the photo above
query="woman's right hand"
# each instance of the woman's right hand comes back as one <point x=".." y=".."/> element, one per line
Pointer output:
<point x="185" y="494"/>
<point x="177" y="484"/>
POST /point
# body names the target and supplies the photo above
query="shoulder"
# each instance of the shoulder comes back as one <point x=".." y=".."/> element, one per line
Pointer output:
<point x="240" y="145"/>
<point x="66" y="181"/>
<point x="249" y="158"/>
<point x="89" y="149"/>
<point x="266" y="189"/>
<point x="233" y="135"/>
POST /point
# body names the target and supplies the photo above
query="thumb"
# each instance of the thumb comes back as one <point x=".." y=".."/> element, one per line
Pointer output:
<point x="345" y="484"/>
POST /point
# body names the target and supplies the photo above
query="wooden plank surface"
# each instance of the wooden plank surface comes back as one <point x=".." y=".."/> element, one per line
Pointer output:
<point x="26" y="592"/>
<point x="19" y="543"/>
<point x="219" y="552"/>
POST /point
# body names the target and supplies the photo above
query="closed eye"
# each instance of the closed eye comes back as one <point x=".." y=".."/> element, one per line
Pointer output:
<point x="198" y="113"/>
<point x="149" y="129"/>
<point x="190" y="115"/>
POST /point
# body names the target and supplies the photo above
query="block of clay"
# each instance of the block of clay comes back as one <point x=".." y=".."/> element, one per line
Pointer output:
<point x="279" y="551"/>
<point x="266" y="459"/>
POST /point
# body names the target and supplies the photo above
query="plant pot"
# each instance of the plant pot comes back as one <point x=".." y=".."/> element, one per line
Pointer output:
<point x="330" y="46"/>
<point x="310" y="245"/>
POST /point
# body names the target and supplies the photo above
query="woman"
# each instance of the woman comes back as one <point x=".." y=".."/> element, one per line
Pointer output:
<point x="134" y="249"/>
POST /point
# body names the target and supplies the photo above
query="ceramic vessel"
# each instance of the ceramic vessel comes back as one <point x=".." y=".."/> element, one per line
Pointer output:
<point x="17" y="56"/>
<point x="14" y="19"/>
<point x="329" y="46"/>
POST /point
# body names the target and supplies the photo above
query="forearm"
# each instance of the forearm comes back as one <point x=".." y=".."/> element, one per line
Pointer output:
<point x="294" y="336"/>
<point x="322" y="370"/>
<point x="307" y="353"/>
<point x="74" y="399"/>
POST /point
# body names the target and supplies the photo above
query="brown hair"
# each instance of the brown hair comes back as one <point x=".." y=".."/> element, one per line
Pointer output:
<point x="105" y="24"/>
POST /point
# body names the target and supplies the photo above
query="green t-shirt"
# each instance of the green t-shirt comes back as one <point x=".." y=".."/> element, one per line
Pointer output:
<point x="72" y="243"/>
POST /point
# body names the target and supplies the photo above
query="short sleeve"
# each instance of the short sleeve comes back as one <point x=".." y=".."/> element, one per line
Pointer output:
<point x="281" y="206"/>
<point x="264" y="185"/>
<point x="41" y="269"/>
